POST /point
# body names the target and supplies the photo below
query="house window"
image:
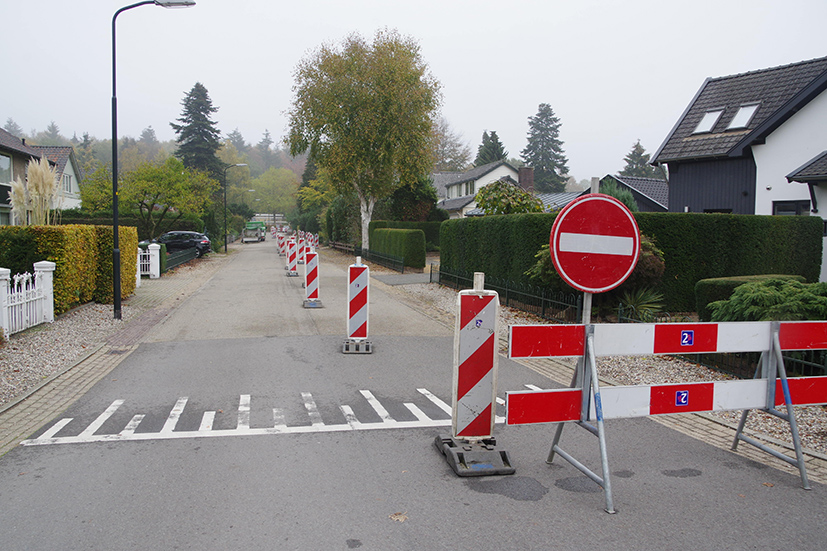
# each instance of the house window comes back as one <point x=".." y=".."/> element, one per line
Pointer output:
<point x="708" y="122"/>
<point x="67" y="183"/>
<point x="743" y="116"/>
<point x="5" y="169"/>
<point x="790" y="208"/>
<point x="469" y="188"/>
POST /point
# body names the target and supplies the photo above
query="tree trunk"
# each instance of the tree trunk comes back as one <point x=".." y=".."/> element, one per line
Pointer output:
<point x="366" y="204"/>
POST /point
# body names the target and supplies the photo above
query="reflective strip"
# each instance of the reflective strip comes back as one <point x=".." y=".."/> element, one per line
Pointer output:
<point x="357" y="300"/>
<point x="311" y="278"/>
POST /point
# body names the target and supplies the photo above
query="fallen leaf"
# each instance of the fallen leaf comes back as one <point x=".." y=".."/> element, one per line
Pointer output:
<point x="399" y="517"/>
<point x="769" y="484"/>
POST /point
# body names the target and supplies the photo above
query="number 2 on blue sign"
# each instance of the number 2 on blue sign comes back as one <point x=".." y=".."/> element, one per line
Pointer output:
<point x="687" y="337"/>
<point x="682" y="398"/>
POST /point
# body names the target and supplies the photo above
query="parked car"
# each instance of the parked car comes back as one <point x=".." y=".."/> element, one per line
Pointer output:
<point x="182" y="240"/>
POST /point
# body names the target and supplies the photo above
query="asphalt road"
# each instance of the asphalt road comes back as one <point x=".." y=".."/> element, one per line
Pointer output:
<point x="239" y="424"/>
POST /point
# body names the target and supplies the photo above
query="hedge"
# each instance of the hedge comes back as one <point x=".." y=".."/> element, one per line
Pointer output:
<point x="431" y="229"/>
<point x="721" y="288"/>
<point x="695" y="247"/>
<point x="82" y="255"/>
<point x="408" y="244"/>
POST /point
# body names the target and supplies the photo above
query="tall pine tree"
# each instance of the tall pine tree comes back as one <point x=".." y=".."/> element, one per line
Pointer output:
<point x="198" y="138"/>
<point x="544" y="151"/>
<point x="637" y="164"/>
<point x="490" y="150"/>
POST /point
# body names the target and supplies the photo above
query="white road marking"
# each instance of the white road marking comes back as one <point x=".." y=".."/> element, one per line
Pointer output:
<point x="207" y="430"/>
<point x="174" y="415"/>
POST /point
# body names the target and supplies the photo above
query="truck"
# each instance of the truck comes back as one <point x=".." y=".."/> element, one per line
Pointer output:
<point x="253" y="232"/>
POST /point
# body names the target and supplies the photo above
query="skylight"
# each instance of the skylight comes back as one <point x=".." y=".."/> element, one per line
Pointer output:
<point x="708" y="122"/>
<point x="743" y="116"/>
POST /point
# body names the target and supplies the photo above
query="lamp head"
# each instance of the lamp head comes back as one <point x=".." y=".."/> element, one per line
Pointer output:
<point x="175" y="3"/>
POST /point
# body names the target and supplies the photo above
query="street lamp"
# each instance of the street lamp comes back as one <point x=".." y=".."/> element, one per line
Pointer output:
<point x="116" y="251"/>
<point x="225" y="201"/>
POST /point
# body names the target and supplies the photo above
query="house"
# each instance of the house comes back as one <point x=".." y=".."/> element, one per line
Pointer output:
<point x="651" y="194"/>
<point x="69" y="174"/>
<point x="457" y="190"/>
<point x="741" y="135"/>
<point x="14" y="156"/>
<point x="557" y="201"/>
<point x="740" y="138"/>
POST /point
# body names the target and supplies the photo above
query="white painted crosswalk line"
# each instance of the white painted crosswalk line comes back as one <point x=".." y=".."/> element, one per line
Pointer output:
<point x="278" y="419"/>
<point x="174" y="415"/>
<point x="350" y="417"/>
<point x="439" y="403"/>
<point x="312" y="410"/>
<point x="418" y="413"/>
<point x="244" y="412"/>
<point x="377" y="407"/>
<point x="97" y="423"/>
<point x="55" y="429"/>
<point x="130" y="427"/>
<point x="207" y="421"/>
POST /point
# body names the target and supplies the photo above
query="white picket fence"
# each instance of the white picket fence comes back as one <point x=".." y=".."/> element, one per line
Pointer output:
<point x="27" y="300"/>
<point x="149" y="263"/>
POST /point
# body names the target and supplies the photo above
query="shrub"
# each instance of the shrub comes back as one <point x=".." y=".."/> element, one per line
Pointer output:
<point x="721" y="288"/>
<point x="773" y="300"/>
<point x="409" y="244"/>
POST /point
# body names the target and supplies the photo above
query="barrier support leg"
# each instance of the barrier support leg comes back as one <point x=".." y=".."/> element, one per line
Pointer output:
<point x="776" y="370"/>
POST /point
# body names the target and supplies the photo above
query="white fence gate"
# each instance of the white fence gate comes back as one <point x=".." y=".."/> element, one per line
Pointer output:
<point x="28" y="300"/>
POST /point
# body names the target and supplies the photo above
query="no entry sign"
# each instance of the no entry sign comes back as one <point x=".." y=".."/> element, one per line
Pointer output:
<point x="595" y="243"/>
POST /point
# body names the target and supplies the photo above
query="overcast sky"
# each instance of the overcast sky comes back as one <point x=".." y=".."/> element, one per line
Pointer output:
<point x="613" y="71"/>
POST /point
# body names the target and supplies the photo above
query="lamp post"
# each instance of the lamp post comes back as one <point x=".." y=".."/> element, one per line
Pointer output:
<point x="225" y="201"/>
<point x="116" y="251"/>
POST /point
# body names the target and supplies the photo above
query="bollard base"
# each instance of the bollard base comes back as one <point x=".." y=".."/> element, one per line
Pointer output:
<point x="292" y="274"/>
<point x="357" y="347"/>
<point x="474" y="458"/>
<point x="313" y="303"/>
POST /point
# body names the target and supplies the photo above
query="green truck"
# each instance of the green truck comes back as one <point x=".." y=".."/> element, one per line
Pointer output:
<point x="253" y="232"/>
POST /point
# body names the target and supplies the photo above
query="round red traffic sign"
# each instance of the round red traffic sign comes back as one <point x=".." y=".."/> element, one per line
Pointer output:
<point x="595" y="243"/>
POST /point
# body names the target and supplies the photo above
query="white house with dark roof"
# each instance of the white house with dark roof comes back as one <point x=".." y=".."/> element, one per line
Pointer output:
<point x="457" y="190"/>
<point x="14" y="157"/>
<point x="69" y="174"/>
<point x="741" y="138"/>
<point x="741" y="135"/>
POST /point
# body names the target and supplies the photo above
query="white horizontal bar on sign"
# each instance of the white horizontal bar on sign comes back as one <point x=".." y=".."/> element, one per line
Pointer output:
<point x="733" y="395"/>
<point x="596" y="244"/>
<point x="624" y="339"/>
<point x="620" y="402"/>
<point x="744" y="336"/>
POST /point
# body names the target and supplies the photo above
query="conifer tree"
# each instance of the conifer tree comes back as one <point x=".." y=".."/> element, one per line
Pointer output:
<point x="637" y="164"/>
<point x="490" y="150"/>
<point x="544" y="151"/>
<point x="198" y="138"/>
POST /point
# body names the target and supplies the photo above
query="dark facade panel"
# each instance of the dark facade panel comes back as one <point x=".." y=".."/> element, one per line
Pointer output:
<point x="721" y="185"/>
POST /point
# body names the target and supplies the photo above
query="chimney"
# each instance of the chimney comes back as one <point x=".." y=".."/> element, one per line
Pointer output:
<point x="525" y="178"/>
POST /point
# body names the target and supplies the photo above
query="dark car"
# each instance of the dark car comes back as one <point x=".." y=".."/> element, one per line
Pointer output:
<point x="181" y="240"/>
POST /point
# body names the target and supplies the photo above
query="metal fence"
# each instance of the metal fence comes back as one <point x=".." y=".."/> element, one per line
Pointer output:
<point x="387" y="260"/>
<point x="561" y="307"/>
<point x="181" y="257"/>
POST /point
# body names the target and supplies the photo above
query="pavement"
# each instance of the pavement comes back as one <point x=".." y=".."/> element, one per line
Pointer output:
<point x="158" y="298"/>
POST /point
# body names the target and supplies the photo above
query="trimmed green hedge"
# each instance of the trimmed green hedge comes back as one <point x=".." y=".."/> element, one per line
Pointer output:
<point x="721" y="288"/>
<point x="408" y="244"/>
<point x="695" y="247"/>
<point x="431" y="229"/>
<point x="82" y="255"/>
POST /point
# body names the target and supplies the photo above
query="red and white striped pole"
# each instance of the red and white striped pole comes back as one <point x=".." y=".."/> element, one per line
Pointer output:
<point x="358" y="294"/>
<point x="475" y="362"/>
<point x="280" y="242"/>
<point x="292" y="270"/>
<point x="311" y="280"/>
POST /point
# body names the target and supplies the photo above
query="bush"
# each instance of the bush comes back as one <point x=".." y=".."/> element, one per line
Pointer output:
<point x="773" y="300"/>
<point x="721" y="288"/>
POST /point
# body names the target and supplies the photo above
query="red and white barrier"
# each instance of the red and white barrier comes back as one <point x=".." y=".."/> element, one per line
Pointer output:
<point x="292" y="269"/>
<point x="311" y="280"/>
<point x="280" y="239"/>
<point x="358" y="295"/>
<point x="475" y="364"/>
<point x="585" y="401"/>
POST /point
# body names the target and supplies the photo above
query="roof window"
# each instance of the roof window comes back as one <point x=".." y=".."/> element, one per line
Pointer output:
<point x="743" y="116"/>
<point x="708" y="122"/>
